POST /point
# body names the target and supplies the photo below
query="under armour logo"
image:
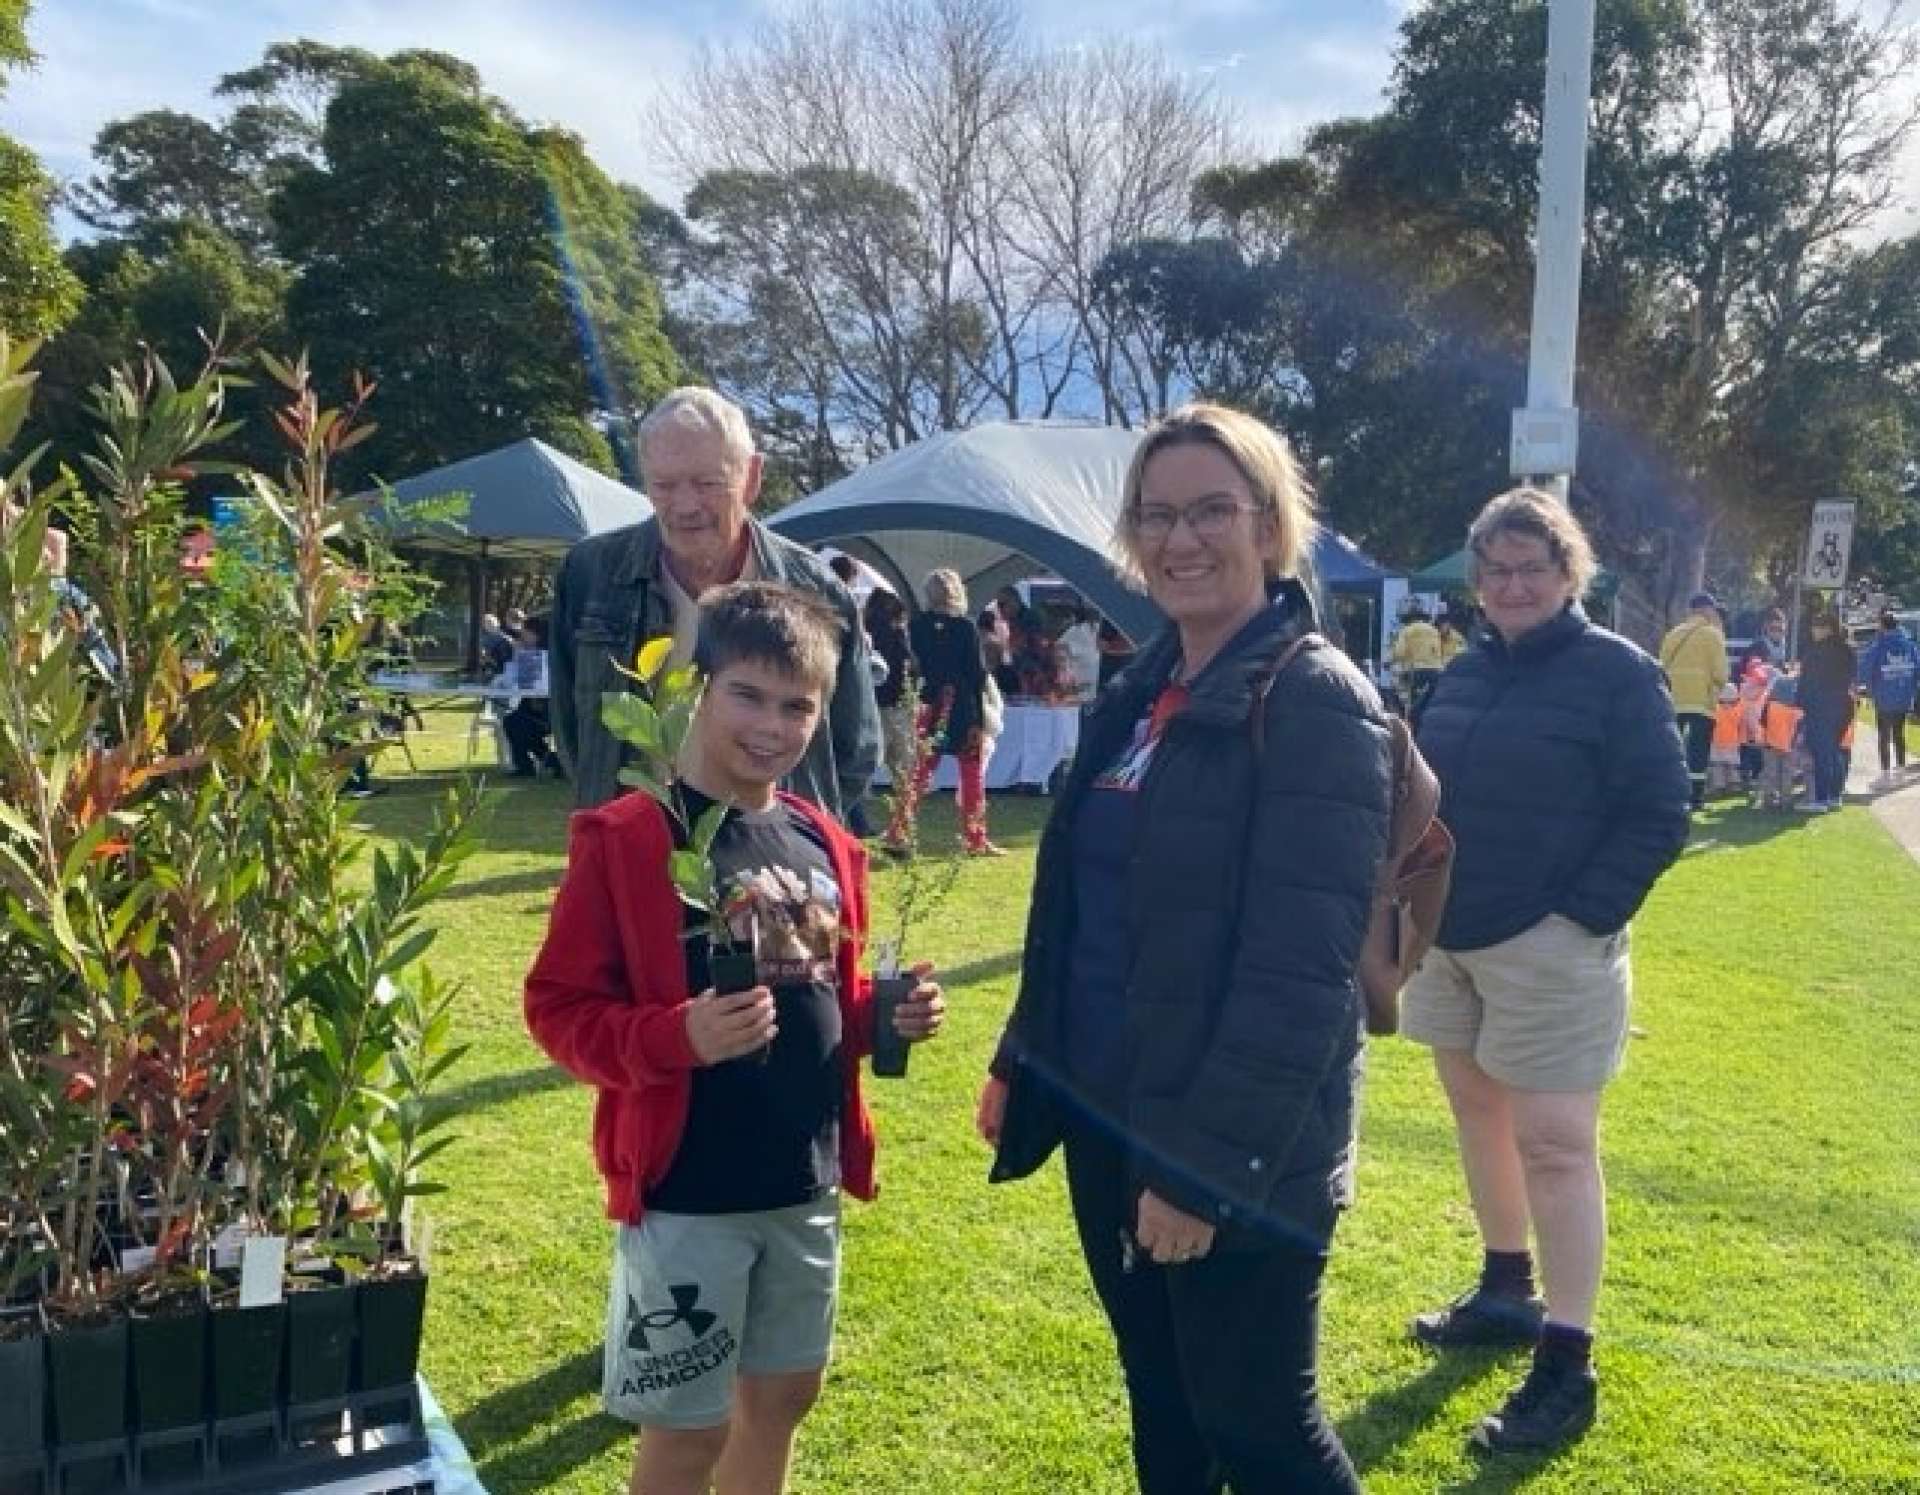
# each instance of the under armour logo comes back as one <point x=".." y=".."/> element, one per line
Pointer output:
<point x="685" y="1296"/>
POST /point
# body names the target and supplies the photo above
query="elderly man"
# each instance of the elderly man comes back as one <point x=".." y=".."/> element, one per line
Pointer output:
<point x="618" y="590"/>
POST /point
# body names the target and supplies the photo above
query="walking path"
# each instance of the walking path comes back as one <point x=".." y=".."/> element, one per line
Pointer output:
<point x="1897" y="808"/>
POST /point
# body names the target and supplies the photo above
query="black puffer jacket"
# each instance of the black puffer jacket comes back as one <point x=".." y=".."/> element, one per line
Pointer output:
<point x="1252" y="882"/>
<point x="1562" y="779"/>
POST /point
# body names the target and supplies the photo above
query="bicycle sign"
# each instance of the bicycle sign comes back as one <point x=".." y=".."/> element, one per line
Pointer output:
<point x="1829" y="544"/>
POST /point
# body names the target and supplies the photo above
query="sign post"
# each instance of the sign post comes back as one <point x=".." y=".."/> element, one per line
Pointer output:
<point x="1824" y="557"/>
<point x="1829" y="545"/>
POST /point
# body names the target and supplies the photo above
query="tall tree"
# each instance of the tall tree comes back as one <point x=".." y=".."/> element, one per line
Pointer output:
<point x="177" y="290"/>
<point x="1743" y="349"/>
<point x="921" y="195"/>
<point x="37" y="293"/>
<point x="459" y="300"/>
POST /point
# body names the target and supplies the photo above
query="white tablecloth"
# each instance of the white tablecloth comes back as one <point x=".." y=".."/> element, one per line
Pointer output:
<point x="1035" y="741"/>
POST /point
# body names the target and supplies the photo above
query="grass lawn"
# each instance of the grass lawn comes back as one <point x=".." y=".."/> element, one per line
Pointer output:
<point x="1761" y="1320"/>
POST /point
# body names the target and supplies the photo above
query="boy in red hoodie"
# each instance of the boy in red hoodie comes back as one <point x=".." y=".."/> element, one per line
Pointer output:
<point x="726" y="1126"/>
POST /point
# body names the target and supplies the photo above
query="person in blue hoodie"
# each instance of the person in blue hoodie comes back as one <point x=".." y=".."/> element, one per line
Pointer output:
<point x="1890" y="671"/>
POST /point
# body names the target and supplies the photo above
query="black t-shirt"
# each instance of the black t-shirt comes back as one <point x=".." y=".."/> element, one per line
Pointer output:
<point x="764" y="1132"/>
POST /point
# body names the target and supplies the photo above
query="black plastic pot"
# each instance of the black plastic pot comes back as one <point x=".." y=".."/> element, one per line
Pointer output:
<point x="170" y="1368"/>
<point x="392" y="1313"/>
<point x="890" y="1050"/>
<point x="23" y="1391"/>
<point x="87" y="1375"/>
<point x="320" y="1335"/>
<point x="246" y="1359"/>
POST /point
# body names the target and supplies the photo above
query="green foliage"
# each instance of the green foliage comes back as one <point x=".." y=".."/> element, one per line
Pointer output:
<point x="460" y="302"/>
<point x="653" y="720"/>
<point x="206" y="1020"/>
<point x="37" y="294"/>
<point x="175" y="289"/>
<point x="1742" y="350"/>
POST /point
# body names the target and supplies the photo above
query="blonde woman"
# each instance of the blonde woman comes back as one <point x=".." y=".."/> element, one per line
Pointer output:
<point x="953" y="680"/>
<point x="1187" y="1026"/>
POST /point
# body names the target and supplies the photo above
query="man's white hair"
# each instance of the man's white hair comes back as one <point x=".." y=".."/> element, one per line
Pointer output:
<point x="695" y="407"/>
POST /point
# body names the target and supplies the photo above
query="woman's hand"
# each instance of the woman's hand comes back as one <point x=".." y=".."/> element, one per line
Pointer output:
<point x="991" y="1112"/>
<point x="1168" y="1235"/>
<point x="723" y="1028"/>
<point x="920" y="1016"/>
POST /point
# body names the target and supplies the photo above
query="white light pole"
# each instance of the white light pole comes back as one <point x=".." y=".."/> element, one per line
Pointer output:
<point x="1546" y="433"/>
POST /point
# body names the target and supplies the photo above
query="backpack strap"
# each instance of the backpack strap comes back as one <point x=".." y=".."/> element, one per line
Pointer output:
<point x="1263" y="686"/>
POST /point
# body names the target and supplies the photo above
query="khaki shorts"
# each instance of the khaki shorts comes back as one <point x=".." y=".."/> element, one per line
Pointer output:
<point x="700" y="1300"/>
<point x="1545" y="1010"/>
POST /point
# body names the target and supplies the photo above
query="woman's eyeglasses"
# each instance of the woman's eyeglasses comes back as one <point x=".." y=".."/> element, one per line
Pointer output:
<point x="1533" y="573"/>
<point x="1210" y="518"/>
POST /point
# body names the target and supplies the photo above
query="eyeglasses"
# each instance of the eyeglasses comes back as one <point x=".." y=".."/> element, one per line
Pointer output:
<point x="1210" y="518"/>
<point x="1533" y="573"/>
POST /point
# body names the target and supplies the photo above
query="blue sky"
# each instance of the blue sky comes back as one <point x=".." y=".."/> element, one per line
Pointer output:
<point x="595" y="65"/>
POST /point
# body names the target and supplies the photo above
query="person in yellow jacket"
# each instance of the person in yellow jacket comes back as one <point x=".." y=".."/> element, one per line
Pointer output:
<point x="1694" y="655"/>
<point x="1453" y="639"/>
<point x="1417" y="659"/>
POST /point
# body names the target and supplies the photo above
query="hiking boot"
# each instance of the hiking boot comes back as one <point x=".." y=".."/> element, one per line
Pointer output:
<point x="1482" y="1319"/>
<point x="1550" y="1409"/>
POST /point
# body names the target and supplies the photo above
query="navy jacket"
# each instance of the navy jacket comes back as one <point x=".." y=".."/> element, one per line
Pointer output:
<point x="1252" y="884"/>
<point x="1562" y="779"/>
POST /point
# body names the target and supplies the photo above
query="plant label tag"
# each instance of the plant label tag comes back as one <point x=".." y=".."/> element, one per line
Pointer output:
<point x="886" y="959"/>
<point x="226" y="1247"/>
<point x="137" y="1258"/>
<point x="263" y="1263"/>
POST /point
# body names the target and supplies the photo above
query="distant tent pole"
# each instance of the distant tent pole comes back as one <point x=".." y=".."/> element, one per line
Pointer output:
<point x="476" y="605"/>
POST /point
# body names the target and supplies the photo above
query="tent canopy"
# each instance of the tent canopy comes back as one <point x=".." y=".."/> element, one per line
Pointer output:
<point x="524" y="500"/>
<point x="1448" y="574"/>
<point x="998" y="501"/>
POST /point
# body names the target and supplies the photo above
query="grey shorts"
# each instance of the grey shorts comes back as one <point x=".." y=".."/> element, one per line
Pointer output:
<point x="1545" y="1010"/>
<point x="699" y="1300"/>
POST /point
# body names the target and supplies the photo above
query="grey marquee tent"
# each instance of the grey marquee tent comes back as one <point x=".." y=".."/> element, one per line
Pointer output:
<point x="523" y="500"/>
<point x="999" y="501"/>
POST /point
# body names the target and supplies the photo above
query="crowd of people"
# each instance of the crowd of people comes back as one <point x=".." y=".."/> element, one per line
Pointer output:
<point x="1778" y="729"/>
<point x="1194" y="1052"/>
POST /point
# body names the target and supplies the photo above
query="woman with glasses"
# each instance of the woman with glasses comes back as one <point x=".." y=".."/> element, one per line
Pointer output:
<point x="1565" y="786"/>
<point x="1187" y="1026"/>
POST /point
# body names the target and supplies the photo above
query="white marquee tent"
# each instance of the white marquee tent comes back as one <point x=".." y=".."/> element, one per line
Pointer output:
<point x="1001" y="501"/>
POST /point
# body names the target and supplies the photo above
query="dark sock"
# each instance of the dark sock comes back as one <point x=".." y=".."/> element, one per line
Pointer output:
<point x="1509" y="1273"/>
<point x="1564" y="1347"/>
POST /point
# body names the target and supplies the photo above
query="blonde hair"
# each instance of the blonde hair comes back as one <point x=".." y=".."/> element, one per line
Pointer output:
<point x="1533" y="515"/>
<point x="694" y="407"/>
<point x="1281" y="496"/>
<point x="946" y="592"/>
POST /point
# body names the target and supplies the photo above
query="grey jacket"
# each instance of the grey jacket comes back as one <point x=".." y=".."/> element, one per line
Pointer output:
<point x="608" y="601"/>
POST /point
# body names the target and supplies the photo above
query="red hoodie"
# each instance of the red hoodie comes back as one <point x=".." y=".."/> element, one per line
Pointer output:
<point x="607" y="996"/>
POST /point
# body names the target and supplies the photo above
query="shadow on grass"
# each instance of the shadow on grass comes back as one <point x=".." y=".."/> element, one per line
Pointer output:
<point x="532" y="880"/>
<point x="1395" y="1414"/>
<point x="516" y="817"/>
<point x="1006" y="963"/>
<point x="539" y="1466"/>
<point x="478" y="1095"/>
<point x="1727" y="823"/>
<point x="492" y="1424"/>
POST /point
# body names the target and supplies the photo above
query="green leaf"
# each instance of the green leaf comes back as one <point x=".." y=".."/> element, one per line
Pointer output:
<point x="707" y="828"/>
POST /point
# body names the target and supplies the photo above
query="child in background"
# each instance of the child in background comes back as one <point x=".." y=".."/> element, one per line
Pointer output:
<point x="1783" y="726"/>
<point x="1755" y="681"/>
<point x="1723" y="767"/>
